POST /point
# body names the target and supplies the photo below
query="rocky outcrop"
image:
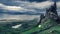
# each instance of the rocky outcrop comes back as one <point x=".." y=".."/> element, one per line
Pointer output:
<point x="51" y="17"/>
<point x="51" y="13"/>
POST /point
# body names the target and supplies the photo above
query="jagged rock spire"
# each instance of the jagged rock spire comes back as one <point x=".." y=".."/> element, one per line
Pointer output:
<point x="53" y="8"/>
<point x="41" y="18"/>
<point x="52" y="12"/>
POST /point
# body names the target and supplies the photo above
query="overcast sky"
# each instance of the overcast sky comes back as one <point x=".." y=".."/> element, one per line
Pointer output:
<point x="25" y="7"/>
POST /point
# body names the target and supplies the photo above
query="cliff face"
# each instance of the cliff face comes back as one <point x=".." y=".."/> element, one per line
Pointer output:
<point x="51" y="17"/>
<point x="51" y="13"/>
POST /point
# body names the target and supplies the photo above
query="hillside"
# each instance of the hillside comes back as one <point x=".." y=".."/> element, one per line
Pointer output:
<point x="48" y="24"/>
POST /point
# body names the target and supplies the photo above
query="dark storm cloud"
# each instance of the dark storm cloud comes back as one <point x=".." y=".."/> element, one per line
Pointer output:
<point x="24" y="7"/>
<point x="40" y="0"/>
<point x="56" y="0"/>
<point x="11" y="2"/>
<point x="35" y="0"/>
<point x="13" y="7"/>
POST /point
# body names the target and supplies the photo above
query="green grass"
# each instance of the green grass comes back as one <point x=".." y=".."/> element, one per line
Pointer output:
<point x="48" y="31"/>
<point x="31" y="30"/>
<point x="48" y="22"/>
<point x="55" y="27"/>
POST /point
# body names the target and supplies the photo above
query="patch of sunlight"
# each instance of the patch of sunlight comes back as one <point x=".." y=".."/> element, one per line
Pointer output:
<point x="39" y="26"/>
<point x="16" y="26"/>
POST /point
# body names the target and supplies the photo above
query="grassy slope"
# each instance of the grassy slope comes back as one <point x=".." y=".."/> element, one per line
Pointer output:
<point x="55" y="27"/>
<point x="31" y="30"/>
<point x="48" y="31"/>
<point x="48" y="22"/>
